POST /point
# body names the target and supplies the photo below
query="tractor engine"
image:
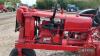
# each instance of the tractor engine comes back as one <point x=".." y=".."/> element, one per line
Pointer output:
<point x="49" y="32"/>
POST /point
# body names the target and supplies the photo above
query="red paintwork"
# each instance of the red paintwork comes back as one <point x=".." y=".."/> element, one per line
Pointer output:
<point x="72" y="23"/>
<point x="48" y="47"/>
<point x="56" y="38"/>
<point x="2" y="8"/>
<point x="78" y="24"/>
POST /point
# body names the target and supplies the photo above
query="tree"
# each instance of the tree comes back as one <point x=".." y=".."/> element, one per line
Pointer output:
<point x="40" y="5"/>
<point x="13" y="1"/>
<point x="63" y="3"/>
<point x="45" y="4"/>
<point x="49" y="4"/>
<point x="2" y="1"/>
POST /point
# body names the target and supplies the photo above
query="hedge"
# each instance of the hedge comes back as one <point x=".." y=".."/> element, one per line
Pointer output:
<point x="48" y="4"/>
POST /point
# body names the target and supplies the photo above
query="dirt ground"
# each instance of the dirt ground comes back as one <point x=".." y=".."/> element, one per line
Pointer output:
<point x="8" y="37"/>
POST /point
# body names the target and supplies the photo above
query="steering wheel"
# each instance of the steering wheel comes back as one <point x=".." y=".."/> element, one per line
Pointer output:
<point x="97" y="18"/>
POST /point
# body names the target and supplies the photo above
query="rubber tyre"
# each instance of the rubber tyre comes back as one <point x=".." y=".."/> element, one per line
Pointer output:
<point x="26" y="52"/>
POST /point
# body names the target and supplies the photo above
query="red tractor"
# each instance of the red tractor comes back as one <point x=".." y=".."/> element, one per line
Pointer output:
<point x="56" y="31"/>
<point x="2" y="8"/>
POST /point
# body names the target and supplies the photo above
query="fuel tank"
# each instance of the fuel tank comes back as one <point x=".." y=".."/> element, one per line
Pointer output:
<point x="77" y="23"/>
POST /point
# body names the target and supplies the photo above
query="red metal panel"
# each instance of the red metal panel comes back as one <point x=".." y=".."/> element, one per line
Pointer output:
<point x="19" y="16"/>
<point x="29" y="28"/>
<point x="32" y="26"/>
<point x="49" y="15"/>
<point x="21" y="34"/>
<point x="48" y="47"/>
<point x="78" y="24"/>
<point x="45" y="14"/>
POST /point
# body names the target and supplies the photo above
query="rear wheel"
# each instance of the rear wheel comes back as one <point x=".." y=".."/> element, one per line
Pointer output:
<point x="26" y="52"/>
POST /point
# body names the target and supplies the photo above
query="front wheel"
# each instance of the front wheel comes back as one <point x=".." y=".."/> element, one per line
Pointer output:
<point x="26" y="52"/>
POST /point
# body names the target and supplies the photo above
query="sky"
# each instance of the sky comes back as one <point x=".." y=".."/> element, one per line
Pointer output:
<point x="29" y="2"/>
